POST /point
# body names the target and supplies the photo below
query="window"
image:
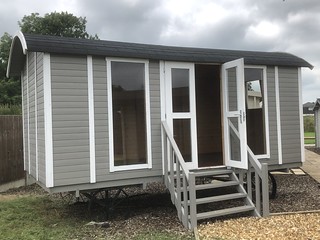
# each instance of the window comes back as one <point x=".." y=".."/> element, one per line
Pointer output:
<point x="129" y="124"/>
<point x="256" y="111"/>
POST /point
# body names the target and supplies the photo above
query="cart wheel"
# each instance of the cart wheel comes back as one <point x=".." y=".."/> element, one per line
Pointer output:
<point x="271" y="183"/>
<point x="272" y="186"/>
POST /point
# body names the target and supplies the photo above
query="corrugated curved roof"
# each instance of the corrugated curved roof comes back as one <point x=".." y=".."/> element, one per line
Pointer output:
<point x="54" y="44"/>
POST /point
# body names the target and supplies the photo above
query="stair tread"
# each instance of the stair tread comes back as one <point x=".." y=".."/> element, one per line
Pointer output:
<point x="212" y="172"/>
<point x="220" y="198"/>
<point x="216" y="185"/>
<point x="226" y="211"/>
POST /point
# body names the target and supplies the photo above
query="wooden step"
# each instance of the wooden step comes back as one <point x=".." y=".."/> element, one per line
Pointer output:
<point x="217" y="185"/>
<point x="223" y="212"/>
<point x="220" y="198"/>
<point x="212" y="172"/>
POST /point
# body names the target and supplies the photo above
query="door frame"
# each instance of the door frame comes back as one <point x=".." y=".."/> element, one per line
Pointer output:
<point x="167" y="113"/>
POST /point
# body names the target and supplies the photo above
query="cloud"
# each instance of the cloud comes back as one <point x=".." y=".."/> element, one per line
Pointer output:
<point x="273" y="25"/>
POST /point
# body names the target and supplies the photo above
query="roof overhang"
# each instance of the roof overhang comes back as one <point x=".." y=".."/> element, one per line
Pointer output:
<point x="17" y="55"/>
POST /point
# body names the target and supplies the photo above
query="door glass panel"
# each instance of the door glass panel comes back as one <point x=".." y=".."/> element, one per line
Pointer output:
<point x="182" y="136"/>
<point x="234" y="140"/>
<point x="180" y="90"/>
<point x="256" y="135"/>
<point x="129" y="115"/>
<point x="232" y="89"/>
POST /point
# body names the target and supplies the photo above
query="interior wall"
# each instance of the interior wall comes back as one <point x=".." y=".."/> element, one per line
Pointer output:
<point x="208" y="105"/>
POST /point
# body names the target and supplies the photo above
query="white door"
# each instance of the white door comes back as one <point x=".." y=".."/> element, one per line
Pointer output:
<point x="181" y="108"/>
<point x="234" y="116"/>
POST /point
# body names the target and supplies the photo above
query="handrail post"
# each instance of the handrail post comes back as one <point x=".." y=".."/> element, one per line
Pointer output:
<point x="193" y="207"/>
<point x="178" y="203"/>
<point x="165" y="156"/>
<point x="265" y="190"/>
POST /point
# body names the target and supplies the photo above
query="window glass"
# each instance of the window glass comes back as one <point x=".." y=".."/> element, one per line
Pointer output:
<point x="255" y="114"/>
<point x="129" y="113"/>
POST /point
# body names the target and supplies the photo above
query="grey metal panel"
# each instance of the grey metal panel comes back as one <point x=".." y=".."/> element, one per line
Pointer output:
<point x="273" y="137"/>
<point x="70" y="122"/>
<point x="290" y="120"/>
<point x="40" y="118"/>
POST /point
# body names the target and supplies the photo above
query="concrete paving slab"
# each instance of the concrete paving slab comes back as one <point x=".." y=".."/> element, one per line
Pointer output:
<point x="312" y="164"/>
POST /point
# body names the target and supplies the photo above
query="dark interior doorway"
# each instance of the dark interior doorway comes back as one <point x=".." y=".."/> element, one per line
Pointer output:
<point x="208" y="106"/>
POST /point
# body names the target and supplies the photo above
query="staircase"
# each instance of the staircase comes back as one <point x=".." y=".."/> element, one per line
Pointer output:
<point x="213" y="192"/>
<point x="217" y="192"/>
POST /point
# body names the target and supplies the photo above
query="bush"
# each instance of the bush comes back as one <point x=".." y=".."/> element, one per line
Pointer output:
<point x="308" y="122"/>
<point x="7" y="109"/>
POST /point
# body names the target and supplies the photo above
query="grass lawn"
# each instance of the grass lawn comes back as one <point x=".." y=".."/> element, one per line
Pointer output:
<point x="45" y="217"/>
<point x="309" y="141"/>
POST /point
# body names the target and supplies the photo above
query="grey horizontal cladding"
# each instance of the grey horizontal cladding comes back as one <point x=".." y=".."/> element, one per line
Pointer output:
<point x="290" y="120"/>
<point x="101" y="117"/>
<point x="70" y="119"/>
<point x="40" y="119"/>
<point x="32" y="124"/>
<point x="62" y="45"/>
<point x="273" y="138"/>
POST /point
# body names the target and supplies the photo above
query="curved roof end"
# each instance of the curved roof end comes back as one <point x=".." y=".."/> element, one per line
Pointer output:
<point x="17" y="51"/>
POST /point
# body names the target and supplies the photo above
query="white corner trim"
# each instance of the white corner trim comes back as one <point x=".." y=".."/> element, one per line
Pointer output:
<point x="28" y="115"/>
<point x="266" y="110"/>
<point x="91" y="121"/>
<point x="148" y="113"/>
<point x="110" y="116"/>
<point x="48" y="119"/>
<point x="301" y="115"/>
<point x="36" y="114"/>
<point x="23" y="121"/>
<point x="162" y="105"/>
<point x="278" y="112"/>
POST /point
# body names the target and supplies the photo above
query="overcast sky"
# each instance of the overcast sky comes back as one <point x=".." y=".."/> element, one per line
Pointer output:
<point x="265" y="25"/>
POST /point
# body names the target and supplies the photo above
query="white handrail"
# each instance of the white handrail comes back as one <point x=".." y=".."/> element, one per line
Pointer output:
<point x="176" y="149"/>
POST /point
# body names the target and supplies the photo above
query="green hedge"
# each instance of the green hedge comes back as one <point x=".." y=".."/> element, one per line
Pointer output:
<point x="7" y="109"/>
<point x="308" y="122"/>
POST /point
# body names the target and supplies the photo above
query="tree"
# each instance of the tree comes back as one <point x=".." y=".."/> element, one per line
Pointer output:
<point x="57" y="24"/>
<point x="5" y="43"/>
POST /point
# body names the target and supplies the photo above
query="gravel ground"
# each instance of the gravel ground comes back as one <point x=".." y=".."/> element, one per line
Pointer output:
<point x="295" y="193"/>
<point x="153" y="211"/>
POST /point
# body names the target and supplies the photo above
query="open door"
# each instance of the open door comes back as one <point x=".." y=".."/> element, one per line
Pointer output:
<point x="234" y="116"/>
<point x="181" y="109"/>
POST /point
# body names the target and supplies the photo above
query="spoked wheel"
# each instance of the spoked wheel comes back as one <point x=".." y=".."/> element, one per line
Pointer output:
<point x="272" y="184"/>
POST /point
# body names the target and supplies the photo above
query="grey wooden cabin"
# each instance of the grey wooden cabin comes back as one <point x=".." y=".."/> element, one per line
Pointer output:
<point x="101" y="114"/>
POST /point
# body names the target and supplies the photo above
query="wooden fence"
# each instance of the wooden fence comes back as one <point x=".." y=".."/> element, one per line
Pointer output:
<point x="11" y="149"/>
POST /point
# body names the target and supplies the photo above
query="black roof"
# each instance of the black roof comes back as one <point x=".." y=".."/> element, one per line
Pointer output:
<point x="63" y="45"/>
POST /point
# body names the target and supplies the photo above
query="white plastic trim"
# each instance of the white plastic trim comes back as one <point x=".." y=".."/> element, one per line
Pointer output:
<point x="36" y="114"/>
<point x="23" y="121"/>
<point x="278" y="112"/>
<point x="19" y="35"/>
<point x="301" y="115"/>
<point x="28" y="114"/>
<point x="91" y="121"/>
<point x="48" y="119"/>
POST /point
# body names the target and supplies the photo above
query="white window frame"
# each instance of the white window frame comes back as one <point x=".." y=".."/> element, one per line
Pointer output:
<point x="265" y="109"/>
<point x="147" y="165"/>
